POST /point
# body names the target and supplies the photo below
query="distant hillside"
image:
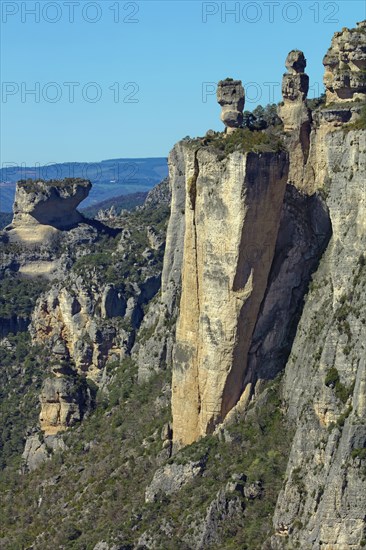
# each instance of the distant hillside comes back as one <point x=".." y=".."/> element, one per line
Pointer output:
<point x="126" y="202"/>
<point x="110" y="178"/>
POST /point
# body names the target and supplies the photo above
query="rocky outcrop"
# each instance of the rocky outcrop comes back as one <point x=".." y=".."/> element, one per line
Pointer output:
<point x="232" y="216"/>
<point x="226" y="508"/>
<point x="170" y="479"/>
<point x="34" y="454"/>
<point x="295" y="87"/>
<point x="231" y="97"/>
<point x="86" y="323"/>
<point x="42" y="208"/>
<point x="345" y="65"/>
<point x="38" y="449"/>
<point x="62" y="404"/>
<point x="159" y="195"/>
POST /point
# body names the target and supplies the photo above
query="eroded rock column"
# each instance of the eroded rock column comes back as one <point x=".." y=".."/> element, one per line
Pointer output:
<point x="231" y="97"/>
<point x="296" y="115"/>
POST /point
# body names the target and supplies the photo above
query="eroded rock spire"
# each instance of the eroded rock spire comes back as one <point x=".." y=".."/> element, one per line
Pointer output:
<point x="295" y="87"/>
<point x="231" y="97"/>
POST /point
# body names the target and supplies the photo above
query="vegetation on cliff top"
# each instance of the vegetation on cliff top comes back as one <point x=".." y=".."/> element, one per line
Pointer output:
<point x="243" y="140"/>
<point x="262" y="132"/>
<point x="30" y="185"/>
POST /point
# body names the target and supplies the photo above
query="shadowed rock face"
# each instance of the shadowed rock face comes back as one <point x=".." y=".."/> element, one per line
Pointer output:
<point x="42" y="208"/>
<point x="345" y="65"/>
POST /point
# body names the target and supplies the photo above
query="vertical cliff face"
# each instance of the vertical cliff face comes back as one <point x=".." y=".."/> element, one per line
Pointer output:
<point x="324" y="496"/>
<point x="322" y="504"/>
<point x="236" y="327"/>
<point x="232" y="215"/>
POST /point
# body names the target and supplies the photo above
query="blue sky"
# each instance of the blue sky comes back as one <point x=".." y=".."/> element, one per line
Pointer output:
<point x="128" y="79"/>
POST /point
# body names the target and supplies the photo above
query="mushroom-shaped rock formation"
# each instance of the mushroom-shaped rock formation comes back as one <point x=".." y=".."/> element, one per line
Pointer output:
<point x="345" y="65"/>
<point x="231" y="97"/>
<point x="42" y="208"/>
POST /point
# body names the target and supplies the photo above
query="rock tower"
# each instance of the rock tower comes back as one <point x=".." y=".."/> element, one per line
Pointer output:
<point x="231" y="97"/>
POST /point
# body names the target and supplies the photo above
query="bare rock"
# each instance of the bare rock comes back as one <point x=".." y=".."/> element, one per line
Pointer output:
<point x="295" y="114"/>
<point x="224" y="278"/>
<point x="295" y="62"/>
<point x="160" y="194"/>
<point x="231" y="97"/>
<point x="225" y="509"/>
<point x="295" y="87"/>
<point x="345" y="65"/>
<point x="43" y="208"/>
<point x="170" y="479"/>
<point x="34" y="454"/>
<point x="62" y="404"/>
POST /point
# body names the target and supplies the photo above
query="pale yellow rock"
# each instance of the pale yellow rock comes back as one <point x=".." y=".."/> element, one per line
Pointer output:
<point x="60" y="405"/>
<point x="232" y="216"/>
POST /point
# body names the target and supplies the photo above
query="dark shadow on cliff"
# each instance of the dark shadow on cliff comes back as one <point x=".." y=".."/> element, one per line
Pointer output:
<point x="101" y="227"/>
<point x="304" y="234"/>
<point x="96" y="224"/>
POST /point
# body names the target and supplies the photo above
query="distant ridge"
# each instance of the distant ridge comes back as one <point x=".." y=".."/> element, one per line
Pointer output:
<point x="110" y="178"/>
<point x="126" y="202"/>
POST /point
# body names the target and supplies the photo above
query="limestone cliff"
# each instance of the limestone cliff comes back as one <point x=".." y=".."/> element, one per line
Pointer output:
<point x="232" y="216"/>
<point x="235" y="330"/>
<point x="323" y="500"/>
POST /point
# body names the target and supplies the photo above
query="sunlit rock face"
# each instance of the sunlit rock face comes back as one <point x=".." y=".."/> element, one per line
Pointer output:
<point x="232" y="215"/>
<point x="231" y="97"/>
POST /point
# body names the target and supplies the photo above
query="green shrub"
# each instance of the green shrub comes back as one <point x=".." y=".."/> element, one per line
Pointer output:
<point x="359" y="453"/>
<point x="360" y="123"/>
<point x="332" y="377"/>
<point x="18" y="296"/>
